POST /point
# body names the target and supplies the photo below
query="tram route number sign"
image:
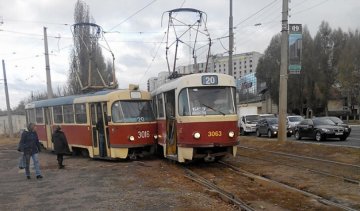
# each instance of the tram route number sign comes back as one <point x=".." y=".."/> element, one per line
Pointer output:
<point x="209" y="80"/>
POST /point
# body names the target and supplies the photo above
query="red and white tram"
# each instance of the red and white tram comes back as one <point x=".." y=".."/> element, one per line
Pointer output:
<point x="196" y="116"/>
<point x="128" y="122"/>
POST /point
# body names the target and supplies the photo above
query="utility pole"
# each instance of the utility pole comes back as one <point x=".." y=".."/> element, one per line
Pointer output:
<point x="47" y="67"/>
<point x="7" y="101"/>
<point x="283" y="72"/>
<point x="231" y="41"/>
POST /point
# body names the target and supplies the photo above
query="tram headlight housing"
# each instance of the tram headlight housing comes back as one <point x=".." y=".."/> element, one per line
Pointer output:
<point x="131" y="138"/>
<point x="155" y="136"/>
<point x="231" y="134"/>
<point x="197" y="135"/>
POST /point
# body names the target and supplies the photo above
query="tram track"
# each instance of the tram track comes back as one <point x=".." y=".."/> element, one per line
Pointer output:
<point x="225" y="195"/>
<point x="346" y="172"/>
<point x="256" y="191"/>
<point x="286" y="186"/>
<point x="305" y="168"/>
<point x="301" y="156"/>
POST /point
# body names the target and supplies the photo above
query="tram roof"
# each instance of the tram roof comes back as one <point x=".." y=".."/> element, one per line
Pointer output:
<point x="192" y="80"/>
<point x="65" y="100"/>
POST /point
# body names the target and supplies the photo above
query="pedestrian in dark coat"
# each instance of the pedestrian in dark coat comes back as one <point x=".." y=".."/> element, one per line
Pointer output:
<point x="29" y="144"/>
<point x="61" y="146"/>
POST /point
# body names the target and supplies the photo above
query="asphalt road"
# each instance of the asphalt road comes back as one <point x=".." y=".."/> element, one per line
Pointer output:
<point x="352" y="141"/>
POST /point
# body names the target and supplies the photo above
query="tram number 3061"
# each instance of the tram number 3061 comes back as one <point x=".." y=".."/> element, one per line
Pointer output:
<point x="144" y="134"/>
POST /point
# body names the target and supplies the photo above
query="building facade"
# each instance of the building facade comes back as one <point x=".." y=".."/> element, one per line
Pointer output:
<point x="18" y="122"/>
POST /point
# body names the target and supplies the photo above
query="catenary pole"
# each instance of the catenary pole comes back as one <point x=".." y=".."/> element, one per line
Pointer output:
<point x="283" y="72"/>
<point x="47" y="67"/>
<point x="7" y="102"/>
<point x="231" y="41"/>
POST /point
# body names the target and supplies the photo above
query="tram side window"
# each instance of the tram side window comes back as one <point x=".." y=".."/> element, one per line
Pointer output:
<point x="116" y="111"/>
<point x="39" y="115"/>
<point x="160" y="106"/>
<point x="183" y="103"/>
<point x="154" y="107"/>
<point x="80" y="113"/>
<point x="31" y="115"/>
<point x="58" y="114"/>
<point x="68" y="114"/>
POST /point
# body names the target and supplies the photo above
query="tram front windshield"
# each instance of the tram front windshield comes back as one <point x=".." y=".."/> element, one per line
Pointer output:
<point x="132" y="111"/>
<point x="201" y="101"/>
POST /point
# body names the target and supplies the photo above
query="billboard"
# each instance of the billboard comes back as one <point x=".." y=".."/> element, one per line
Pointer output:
<point x="295" y="48"/>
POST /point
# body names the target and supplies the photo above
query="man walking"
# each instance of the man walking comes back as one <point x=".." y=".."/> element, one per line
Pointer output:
<point x="61" y="146"/>
<point x="30" y="146"/>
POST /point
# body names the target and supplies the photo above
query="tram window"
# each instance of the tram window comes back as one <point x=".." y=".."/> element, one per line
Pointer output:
<point x="154" y="107"/>
<point x="183" y="103"/>
<point x="211" y="101"/>
<point x="132" y="111"/>
<point x="58" y="114"/>
<point x="39" y="115"/>
<point x="80" y="113"/>
<point x="31" y="115"/>
<point x="160" y="106"/>
<point x="68" y="114"/>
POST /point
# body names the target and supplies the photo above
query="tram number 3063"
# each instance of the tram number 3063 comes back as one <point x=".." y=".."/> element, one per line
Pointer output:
<point x="214" y="133"/>
<point x="144" y="134"/>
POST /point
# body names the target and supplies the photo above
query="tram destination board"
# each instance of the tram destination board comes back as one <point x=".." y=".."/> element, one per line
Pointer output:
<point x="209" y="80"/>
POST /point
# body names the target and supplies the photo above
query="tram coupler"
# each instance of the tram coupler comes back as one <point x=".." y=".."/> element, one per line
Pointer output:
<point x="209" y="158"/>
<point x="133" y="156"/>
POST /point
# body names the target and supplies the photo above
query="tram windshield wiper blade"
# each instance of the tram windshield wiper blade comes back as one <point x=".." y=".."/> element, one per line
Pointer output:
<point x="213" y="109"/>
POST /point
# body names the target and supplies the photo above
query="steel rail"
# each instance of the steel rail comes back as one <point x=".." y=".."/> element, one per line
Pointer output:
<point x="305" y="193"/>
<point x="346" y="179"/>
<point x="206" y="183"/>
<point x="301" y="156"/>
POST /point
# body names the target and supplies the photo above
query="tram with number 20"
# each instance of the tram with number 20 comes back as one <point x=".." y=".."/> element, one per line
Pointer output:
<point x="196" y="116"/>
<point x="125" y="117"/>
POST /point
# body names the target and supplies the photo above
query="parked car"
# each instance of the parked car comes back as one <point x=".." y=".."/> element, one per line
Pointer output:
<point x="269" y="126"/>
<point x="339" y="122"/>
<point x="294" y="120"/>
<point x="247" y="124"/>
<point x="319" y="129"/>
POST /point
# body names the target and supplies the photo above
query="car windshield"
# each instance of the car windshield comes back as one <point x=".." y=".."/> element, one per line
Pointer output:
<point x="132" y="111"/>
<point x="336" y="120"/>
<point x="272" y="121"/>
<point x="295" y="118"/>
<point x="252" y="118"/>
<point x="322" y="121"/>
<point x="206" y="101"/>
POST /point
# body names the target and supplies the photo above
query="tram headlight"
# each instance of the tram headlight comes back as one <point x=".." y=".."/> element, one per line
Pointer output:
<point x="131" y="138"/>
<point x="155" y="136"/>
<point x="231" y="134"/>
<point x="196" y="135"/>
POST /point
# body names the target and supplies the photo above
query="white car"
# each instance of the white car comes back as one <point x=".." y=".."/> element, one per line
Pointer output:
<point x="294" y="120"/>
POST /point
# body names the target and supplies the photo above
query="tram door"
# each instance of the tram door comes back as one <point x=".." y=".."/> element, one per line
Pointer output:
<point x="48" y="125"/>
<point x="99" y="129"/>
<point x="171" y="139"/>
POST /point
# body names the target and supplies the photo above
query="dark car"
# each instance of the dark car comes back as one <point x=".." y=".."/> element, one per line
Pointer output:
<point x="269" y="127"/>
<point x="339" y="122"/>
<point x="319" y="129"/>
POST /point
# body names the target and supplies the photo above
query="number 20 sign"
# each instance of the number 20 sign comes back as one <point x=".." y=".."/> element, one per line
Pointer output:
<point x="209" y="80"/>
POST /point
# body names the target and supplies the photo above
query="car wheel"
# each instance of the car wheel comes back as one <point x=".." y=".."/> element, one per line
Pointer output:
<point x="242" y="131"/>
<point x="297" y="135"/>
<point x="258" y="134"/>
<point x="318" y="136"/>
<point x="269" y="134"/>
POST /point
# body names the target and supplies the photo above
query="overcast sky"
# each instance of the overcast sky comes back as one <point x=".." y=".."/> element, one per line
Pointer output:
<point x="139" y="52"/>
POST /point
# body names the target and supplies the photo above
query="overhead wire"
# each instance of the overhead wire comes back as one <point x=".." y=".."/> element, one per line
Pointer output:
<point x="132" y="15"/>
<point x="154" y="57"/>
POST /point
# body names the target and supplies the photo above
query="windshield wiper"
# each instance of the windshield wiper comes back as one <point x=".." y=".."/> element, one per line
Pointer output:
<point x="213" y="109"/>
